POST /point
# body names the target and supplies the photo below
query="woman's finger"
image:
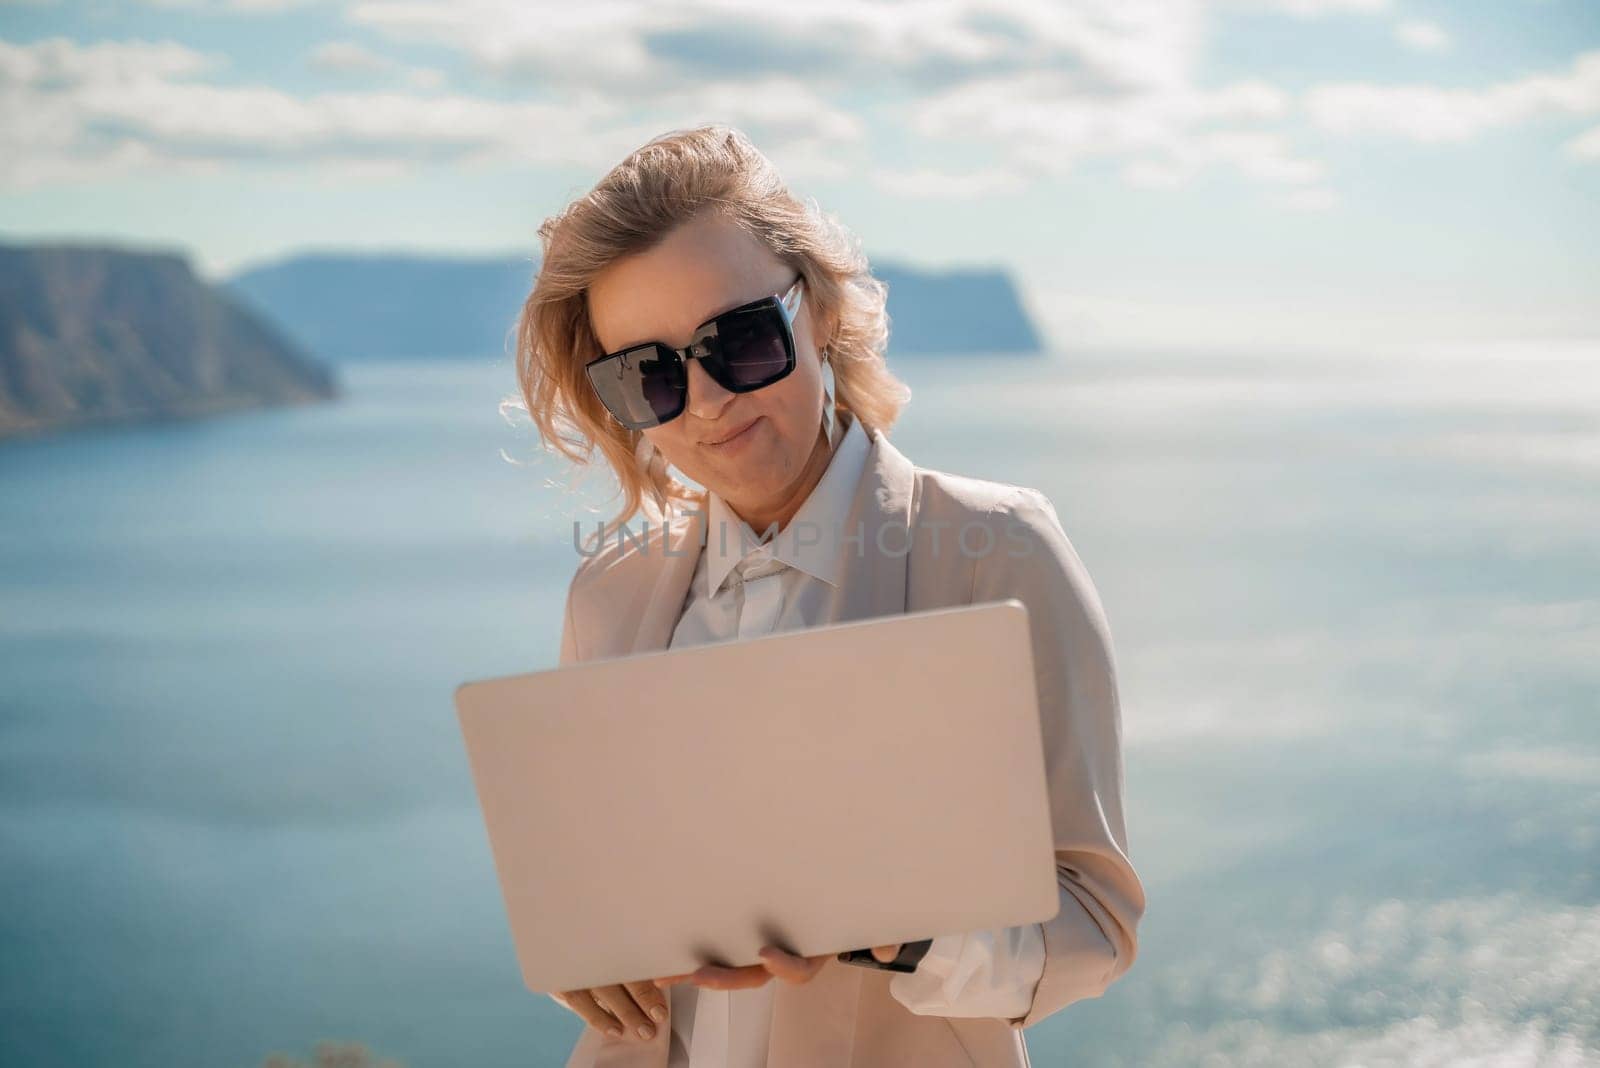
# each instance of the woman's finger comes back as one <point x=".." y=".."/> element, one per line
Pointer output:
<point x="593" y="1013"/>
<point x="617" y="1001"/>
<point x="720" y="978"/>
<point x="789" y="967"/>
<point x="885" y="954"/>
<point x="668" y="980"/>
<point x="652" y="1002"/>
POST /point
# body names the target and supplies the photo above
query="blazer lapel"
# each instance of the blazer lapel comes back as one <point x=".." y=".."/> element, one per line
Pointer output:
<point x="877" y="537"/>
<point x="683" y="540"/>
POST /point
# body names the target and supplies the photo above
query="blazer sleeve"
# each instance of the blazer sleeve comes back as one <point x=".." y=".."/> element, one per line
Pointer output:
<point x="989" y="972"/>
<point x="1092" y="939"/>
<point x="569" y="630"/>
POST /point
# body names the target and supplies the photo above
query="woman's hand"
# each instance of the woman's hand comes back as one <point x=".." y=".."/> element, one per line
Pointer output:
<point x="775" y="961"/>
<point x="620" y="1009"/>
<point x="626" y="1009"/>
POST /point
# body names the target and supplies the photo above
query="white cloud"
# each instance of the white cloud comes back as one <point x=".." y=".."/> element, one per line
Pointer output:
<point x="1431" y="114"/>
<point x="1045" y="85"/>
<point x="1032" y="89"/>
<point x="1312" y="8"/>
<point x="1547" y="764"/>
<point x="59" y="63"/>
<point x="75" y="111"/>
<point x="621" y="46"/>
<point x="1023" y="90"/>
<point x="1575" y="449"/>
<point x="348" y="58"/>
<point x="1422" y="36"/>
<point x="342" y="57"/>
<point x="1259" y="156"/>
<point x="1264" y="157"/>
<point x="1312" y="198"/>
<point x="929" y="184"/>
<point x="1586" y="145"/>
<point x="1043" y="122"/>
<point x="232" y="7"/>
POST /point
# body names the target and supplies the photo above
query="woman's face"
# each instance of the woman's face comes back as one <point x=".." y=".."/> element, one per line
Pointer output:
<point x="703" y="268"/>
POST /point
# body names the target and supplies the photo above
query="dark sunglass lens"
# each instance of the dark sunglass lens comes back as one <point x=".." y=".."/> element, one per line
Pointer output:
<point x="641" y="388"/>
<point x="663" y="385"/>
<point x="753" y="348"/>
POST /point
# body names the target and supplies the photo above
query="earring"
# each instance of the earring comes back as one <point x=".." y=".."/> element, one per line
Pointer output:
<point x="652" y="465"/>
<point x="647" y="456"/>
<point x="831" y="425"/>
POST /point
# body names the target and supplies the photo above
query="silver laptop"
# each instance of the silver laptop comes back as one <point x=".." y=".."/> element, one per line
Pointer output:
<point x="829" y="788"/>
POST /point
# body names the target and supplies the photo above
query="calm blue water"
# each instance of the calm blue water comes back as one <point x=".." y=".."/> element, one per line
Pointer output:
<point x="1357" y="613"/>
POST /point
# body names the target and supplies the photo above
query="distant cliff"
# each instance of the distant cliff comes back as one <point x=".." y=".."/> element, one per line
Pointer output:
<point x="92" y="334"/>
<point x="388" y="306"/>
<point x="354" y="307"/>
<point x="968" y="310"/>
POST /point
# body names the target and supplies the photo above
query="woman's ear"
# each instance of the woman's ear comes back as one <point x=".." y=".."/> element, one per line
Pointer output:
<point x="821" y="327"/>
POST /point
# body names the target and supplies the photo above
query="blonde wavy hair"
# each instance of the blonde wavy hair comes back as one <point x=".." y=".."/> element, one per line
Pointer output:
<point x="664" y="183"/>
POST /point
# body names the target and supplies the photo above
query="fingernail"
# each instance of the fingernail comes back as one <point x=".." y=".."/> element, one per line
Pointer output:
<point x="616" y="1032"/>
<point x="658" y="1014"/>
<point x="645" y="1030"/>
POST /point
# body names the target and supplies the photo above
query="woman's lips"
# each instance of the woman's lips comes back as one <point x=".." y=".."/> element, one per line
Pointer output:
<point x="735" y="438"/>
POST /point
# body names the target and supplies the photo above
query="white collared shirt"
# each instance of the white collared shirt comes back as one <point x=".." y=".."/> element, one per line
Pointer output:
<point x="744" y="588"/>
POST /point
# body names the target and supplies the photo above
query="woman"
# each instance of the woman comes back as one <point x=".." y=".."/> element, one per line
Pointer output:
<point x="689" y="312"/>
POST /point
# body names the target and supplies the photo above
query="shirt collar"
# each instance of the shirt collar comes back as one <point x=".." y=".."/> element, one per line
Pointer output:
<point x="811" y="541"/>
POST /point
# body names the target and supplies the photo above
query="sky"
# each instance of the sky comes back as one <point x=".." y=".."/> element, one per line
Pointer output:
<point x="1178" y="174"/>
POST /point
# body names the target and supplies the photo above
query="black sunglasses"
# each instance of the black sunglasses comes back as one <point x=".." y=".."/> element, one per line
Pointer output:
<point x="743" y="349"/>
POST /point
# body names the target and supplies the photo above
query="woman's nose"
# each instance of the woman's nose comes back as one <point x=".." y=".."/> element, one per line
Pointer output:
<point x="706" y="397"/>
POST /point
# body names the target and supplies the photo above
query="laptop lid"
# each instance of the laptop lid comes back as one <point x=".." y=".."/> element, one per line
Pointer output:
<point x="827" y="788"/>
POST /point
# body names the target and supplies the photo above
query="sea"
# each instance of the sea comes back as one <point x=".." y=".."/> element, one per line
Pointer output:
<point x="1355" y="605"/>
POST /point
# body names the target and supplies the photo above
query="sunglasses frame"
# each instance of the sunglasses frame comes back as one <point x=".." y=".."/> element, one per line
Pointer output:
<point x="787" y="307"/>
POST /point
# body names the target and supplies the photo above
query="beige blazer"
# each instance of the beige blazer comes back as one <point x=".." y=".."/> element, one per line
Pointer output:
<point x="627" y="597"/>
